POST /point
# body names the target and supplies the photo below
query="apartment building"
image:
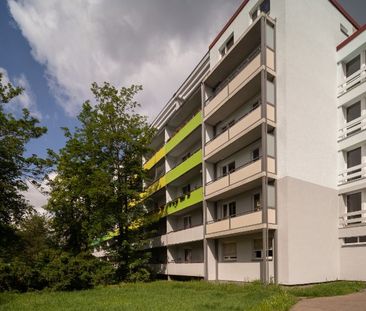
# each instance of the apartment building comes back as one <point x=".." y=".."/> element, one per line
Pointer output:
<point x="258" y="163"/>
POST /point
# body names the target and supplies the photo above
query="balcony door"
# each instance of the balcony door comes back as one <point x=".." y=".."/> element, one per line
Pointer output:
<point x="352" y="113"/>
<point x="353" y="159"/>
<point x="354" y="204"/>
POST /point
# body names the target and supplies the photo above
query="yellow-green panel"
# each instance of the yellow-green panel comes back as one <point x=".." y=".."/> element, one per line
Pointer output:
<point x="194" y="160"/>
<point x="155" y="158"/>
<point x="188" y="128"/>
<point x="185" y="201"/>
<point x="155" y="186"/>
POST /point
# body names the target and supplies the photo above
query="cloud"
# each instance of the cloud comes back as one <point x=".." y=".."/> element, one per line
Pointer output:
<point x="24" y="100"/>
<point x="153" y="43"/>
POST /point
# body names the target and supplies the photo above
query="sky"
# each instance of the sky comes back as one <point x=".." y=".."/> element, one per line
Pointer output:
<point x="56" y="49"/>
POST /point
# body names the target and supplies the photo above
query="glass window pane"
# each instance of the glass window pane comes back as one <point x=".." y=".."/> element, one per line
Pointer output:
<point x="354" y="157"/>
<point x="350" y="240"/>
<point x="362" y="239"/>
<point x="354" y="112"/>
<point x="353" y="66"/>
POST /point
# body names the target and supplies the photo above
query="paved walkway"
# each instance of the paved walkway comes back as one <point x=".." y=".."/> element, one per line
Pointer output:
<point x="352" y="302"/>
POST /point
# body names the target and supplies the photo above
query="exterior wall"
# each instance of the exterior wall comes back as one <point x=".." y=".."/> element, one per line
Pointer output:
<point x="177" y="222"/>
<point x="353" y="263"/>
<point x="306" y="96"/>
<point x="308" y="247"/>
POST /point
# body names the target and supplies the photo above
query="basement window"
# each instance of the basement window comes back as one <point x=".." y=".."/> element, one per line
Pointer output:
<point x="355" y="240"/>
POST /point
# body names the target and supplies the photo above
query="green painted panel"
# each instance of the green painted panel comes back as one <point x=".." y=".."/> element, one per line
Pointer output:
<point x="183" y="202"/>
<point x="188" y="128"/>
<point x="194" y="160"/>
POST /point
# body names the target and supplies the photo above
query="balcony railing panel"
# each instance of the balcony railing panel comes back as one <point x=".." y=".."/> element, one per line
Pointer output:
<point x="242" y="220"/>
<point x="352" y="81"/>
<point x="352" y="174"/>
<point x="353" y="127"/>
<point x="217" y="185"/>
<point x="186" y="235"/>
<point x="353" y="218"/>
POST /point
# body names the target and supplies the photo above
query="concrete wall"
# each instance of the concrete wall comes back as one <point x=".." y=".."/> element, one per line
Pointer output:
<point x="353" y="263"/>
<point x="308" y="249"/>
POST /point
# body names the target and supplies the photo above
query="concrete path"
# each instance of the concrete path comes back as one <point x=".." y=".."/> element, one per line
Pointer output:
<point x="352" y="302"/>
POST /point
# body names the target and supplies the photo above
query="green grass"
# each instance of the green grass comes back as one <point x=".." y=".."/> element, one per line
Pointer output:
<point x="172" y="296"/>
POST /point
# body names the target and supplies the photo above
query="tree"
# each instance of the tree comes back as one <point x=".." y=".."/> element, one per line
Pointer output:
<point x="99" y="181"/>
<point x="15" y="166"/>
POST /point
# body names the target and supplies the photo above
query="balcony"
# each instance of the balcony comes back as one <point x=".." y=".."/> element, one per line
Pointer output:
<point x="186" y="269"/>
<point x="235" y="81"/>
<point x="352" y="174"/>
<point x="178" y="137"/>
<point x="185" y="201"/>
<point x="158" y="241"/>
<point x="242" y="128"/>
<point x="242" y="175"/>
<point x="352" y="81"/>
<point x="352" y="128"/>
<point x="185" y="235"/>
<point x="239" y="223"/>
<point x="182" y="168"/>
<point x="353" y="218"/>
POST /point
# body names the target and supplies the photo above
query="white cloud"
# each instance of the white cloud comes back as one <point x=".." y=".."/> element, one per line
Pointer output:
<point x="153" y="43"/>
<point x="24" y="100"/>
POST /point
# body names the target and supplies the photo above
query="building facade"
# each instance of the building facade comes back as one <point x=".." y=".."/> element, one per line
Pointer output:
<point x="258" y="163"/>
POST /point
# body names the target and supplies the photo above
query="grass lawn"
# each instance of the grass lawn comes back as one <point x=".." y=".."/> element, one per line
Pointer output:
<point x="163" y="295"/>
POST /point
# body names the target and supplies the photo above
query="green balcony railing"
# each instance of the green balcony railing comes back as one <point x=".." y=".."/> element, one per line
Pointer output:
<point x="178" y="137"/>
<point x="194" y="197"/>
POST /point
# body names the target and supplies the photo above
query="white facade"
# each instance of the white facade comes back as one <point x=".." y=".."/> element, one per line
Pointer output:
<point x="283" y="149"/>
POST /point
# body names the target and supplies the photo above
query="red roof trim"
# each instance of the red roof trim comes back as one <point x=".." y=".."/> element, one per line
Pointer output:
<point x="351" y="37"/>
<point x="245" y="2"/>
<point x="341" y="9"/>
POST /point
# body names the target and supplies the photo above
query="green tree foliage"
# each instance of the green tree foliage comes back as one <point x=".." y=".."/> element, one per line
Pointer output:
<point x="15" y="166"/>
<point x="99" y="181"/>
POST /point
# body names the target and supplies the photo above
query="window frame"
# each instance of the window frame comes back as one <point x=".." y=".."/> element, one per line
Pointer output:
<point x="231" y="257"/>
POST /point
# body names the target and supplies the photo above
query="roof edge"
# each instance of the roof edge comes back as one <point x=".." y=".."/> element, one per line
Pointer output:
<point x="351" y="37"/>
<point x="335" y="3"/>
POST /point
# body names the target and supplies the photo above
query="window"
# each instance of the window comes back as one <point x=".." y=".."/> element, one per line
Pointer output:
<point x="256" y="202"/>
<point x="186" y="189"/>
<point x="229" y="251"/>
<point x="352" y="113"/>
<point x="258" y="249"/>
<point x="224" y="211"/>
<point x="227" y="45"/>
<point x="354" y="159"/>
<point x="255" y="154"/>
<point x="355" y="240"/>
<point x="187" y="222"/>
<point x="353" y="66"/>
<point x="228" y="168"/>
<point x="232" y="209"/>
<point x="343" y="30"/>
<point x="188" y="255"/>
<point x="354" y="204"/>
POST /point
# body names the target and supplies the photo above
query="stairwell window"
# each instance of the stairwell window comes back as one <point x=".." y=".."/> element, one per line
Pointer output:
<point x="229" y="251"/>
<point x="227" y="46"/>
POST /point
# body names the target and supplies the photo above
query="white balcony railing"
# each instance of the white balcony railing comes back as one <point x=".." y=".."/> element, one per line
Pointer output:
<point x="351" y="174"/>
<point x="353" y="218"/>
<point x="352" y="127"/>
<point x="357" y="78"/>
